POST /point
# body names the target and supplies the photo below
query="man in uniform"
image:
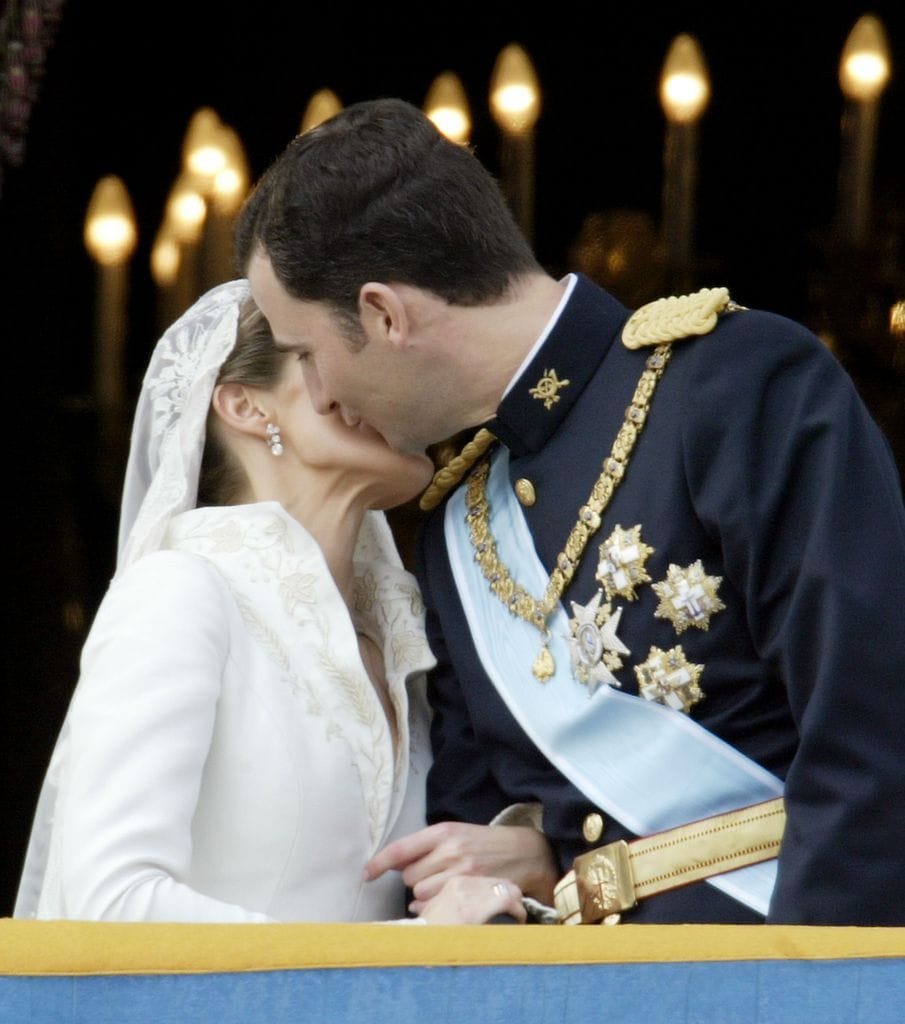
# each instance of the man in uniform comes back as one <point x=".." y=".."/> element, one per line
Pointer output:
<point x="666" y="598"/>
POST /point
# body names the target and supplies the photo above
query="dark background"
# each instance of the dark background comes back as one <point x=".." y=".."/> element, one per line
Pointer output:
<point x="120" y="85"/>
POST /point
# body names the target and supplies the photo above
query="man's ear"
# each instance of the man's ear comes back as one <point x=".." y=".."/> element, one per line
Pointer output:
<point x="238" y="408"/>
<point x="383" y="313"/>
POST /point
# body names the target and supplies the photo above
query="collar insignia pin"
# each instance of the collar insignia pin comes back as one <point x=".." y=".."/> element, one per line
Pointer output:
<point x="547" y="389"/>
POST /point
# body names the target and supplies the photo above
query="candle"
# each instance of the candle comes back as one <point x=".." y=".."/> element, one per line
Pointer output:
<point x="110" y="237"/>
<point x="227" y="191"/>
<point x="515" y="105"/>
<point x="321" y="107"/>
<point x="184" y="217"/>
<point x="166" y="262"/>
<point x="684" y="93"/>
<point x="205" y="155"/>
<point x="863" y="73"/>
<point x="202" y="152"/>
<point x="447" y="106"/>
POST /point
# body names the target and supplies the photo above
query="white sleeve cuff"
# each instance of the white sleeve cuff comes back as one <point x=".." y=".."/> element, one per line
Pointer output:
<point x="528" y="814"/>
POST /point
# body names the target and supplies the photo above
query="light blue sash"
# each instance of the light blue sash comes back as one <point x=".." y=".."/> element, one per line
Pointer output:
<point x="649" y="767"/>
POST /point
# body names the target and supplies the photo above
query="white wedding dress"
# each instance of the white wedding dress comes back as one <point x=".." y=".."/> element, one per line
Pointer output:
<point x="225" y="756"/>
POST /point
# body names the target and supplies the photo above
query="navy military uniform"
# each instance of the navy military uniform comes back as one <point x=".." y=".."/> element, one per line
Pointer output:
<point x="759" y="461"/>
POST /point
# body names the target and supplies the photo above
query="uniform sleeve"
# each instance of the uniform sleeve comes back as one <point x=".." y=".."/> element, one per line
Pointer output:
<point x="792" y="477"/>
<point x="460" y="785"/>
<point x="140" y="725"/>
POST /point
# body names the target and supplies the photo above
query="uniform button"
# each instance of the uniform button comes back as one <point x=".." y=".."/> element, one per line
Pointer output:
<point x="592" y="827"/>
<point x="524" y="491"/>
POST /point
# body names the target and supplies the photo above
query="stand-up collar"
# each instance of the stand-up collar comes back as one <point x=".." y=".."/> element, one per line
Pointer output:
<point x="542" y="396"/>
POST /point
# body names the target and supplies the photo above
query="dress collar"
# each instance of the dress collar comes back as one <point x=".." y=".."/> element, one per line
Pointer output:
<point x="551" y="382"/>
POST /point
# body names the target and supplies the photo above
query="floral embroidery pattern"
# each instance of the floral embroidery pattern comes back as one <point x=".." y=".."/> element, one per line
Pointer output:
<point x="252" y="550"/>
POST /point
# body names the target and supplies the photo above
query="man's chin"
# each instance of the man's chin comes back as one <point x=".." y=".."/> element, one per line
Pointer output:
<point x="403" y="445"/>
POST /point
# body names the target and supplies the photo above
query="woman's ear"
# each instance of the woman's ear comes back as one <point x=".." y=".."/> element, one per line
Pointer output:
<point x="238" y="408"/>
<point x="383" y="313"/>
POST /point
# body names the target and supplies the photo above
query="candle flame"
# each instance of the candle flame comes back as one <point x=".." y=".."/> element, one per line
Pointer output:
<point x="321" y="107"/>
<point x="228" y="182"/>
<point x="186" y="209"/>
<point x="514" y="91"/>
<point x="110" y="233"/>
<point x="207" y="160"/>
<point x="865" y="64"/>
<point x="452" y="123"/>
<point x="447" y="106"/>
<point x="684" y="82"/>
<point x="166" y="258"/>
<point x="684" y="92"/>
<point x="231" y="182"/>
<point x="203" y="152"/>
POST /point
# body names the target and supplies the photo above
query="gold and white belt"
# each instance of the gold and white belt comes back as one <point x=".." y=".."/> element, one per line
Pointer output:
<point x="611" y="879"/>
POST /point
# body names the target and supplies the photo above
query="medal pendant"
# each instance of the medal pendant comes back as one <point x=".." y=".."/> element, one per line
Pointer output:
<point x="543" y="666"/>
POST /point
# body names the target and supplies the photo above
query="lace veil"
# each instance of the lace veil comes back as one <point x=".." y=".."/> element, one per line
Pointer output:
<point x="169" y="428"/>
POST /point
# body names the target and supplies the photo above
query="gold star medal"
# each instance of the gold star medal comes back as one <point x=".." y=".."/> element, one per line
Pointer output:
<point x="668" y="678"/>
<point x="593" y="643"/>
<point x="688" y="597"/>
<point x="547" y="388"/>
<point x="621" y="565"/>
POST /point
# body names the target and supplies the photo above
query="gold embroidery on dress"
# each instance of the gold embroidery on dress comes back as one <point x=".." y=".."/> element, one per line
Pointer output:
<point x="364" y="592"/>
<point x="405" y="646"/>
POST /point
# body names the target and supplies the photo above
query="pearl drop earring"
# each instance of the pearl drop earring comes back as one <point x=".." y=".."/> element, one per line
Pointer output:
<point x="274" y="441"/>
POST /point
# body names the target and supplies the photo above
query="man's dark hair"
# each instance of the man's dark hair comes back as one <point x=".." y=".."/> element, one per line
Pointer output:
<point x="377" y="193"/>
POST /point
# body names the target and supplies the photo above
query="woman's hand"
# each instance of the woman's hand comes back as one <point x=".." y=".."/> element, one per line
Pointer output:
<point x="472" y="900"/>
<point x="431" y="857"/>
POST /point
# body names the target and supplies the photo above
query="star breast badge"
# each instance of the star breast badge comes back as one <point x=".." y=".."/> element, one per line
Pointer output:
<point x="668" y="678"/>
<point x="688" y="597"/>
<point x="547" y="389"/>
<point x="621" y="565"/>
<point x="593" y="644"/>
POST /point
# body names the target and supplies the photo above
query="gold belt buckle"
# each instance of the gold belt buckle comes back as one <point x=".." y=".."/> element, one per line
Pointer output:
<point x="605" y="882"/>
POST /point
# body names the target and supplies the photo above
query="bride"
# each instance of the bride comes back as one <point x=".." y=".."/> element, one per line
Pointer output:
<point x="250" y="725"/>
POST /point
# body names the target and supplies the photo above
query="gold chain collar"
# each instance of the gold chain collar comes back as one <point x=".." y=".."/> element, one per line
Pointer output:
<point x="513" y="595"/>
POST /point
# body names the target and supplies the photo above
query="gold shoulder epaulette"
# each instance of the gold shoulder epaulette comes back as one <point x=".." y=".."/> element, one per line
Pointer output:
<point x="678" y="316"/>
<point x="449" y="475"/>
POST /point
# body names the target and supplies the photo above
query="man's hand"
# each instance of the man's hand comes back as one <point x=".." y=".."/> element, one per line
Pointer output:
<point x="430" y="857"/>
